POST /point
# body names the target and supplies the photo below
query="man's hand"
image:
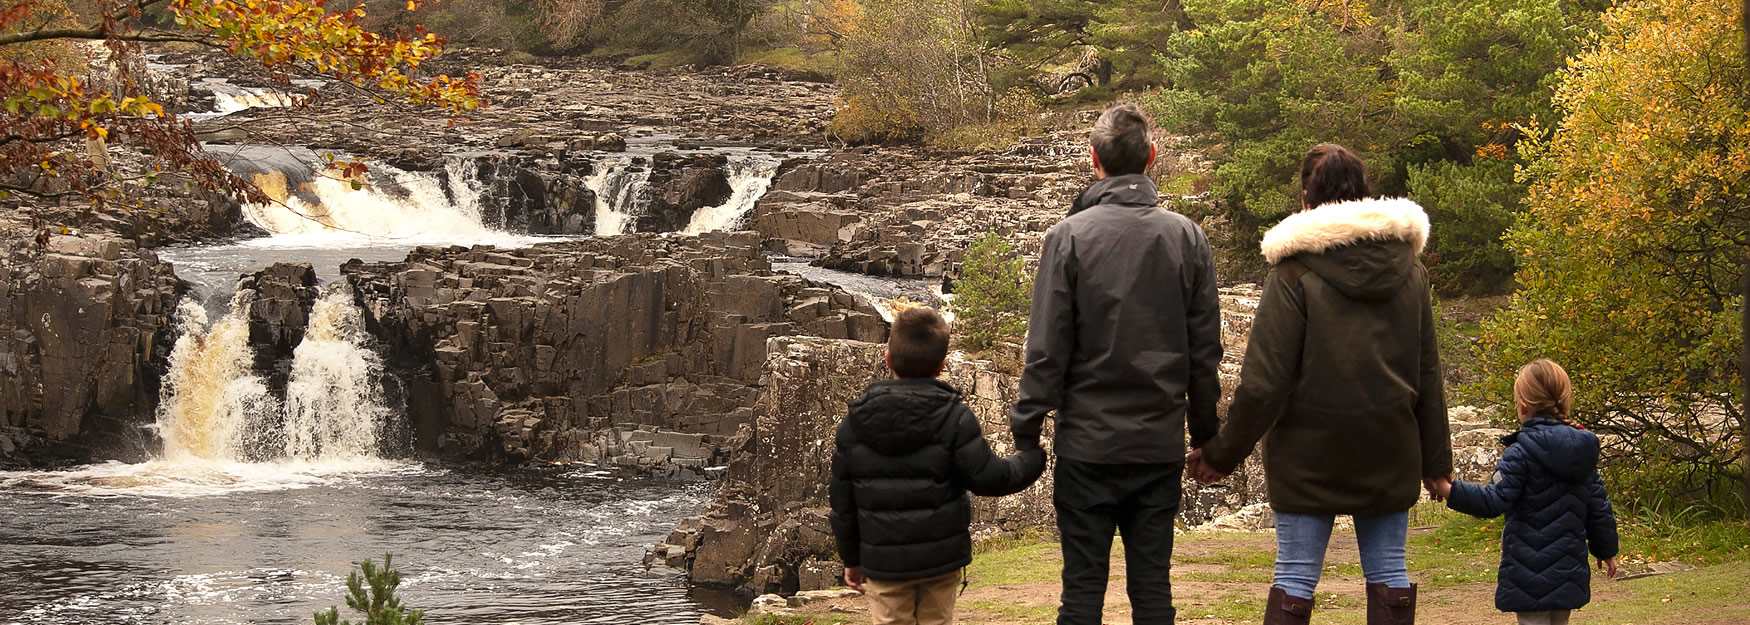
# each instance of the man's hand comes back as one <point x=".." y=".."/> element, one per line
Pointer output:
<point x="1609" y="567"/>
<point x="1439" y="488"/>
<point x="854" y="578"/>
<point x="1200" y="470"/>
<point x="1024" y="442"/>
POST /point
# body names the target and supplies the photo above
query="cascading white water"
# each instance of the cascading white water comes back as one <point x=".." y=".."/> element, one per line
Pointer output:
<point x="749" y="177"/>
<point x="425" y="210"/>
<point x="616" y="184"/>
<point x="215" y="408"/>
<point x="229" y="98"/>
<point x="334" y="400"/>
<point x="465" y="187"/>
<point x="210" y="395"/>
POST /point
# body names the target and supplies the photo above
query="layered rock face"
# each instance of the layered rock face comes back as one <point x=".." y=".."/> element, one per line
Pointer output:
<point x="532" y="353"/>
<point x="767" y="529"/>
<point x="85" y="327"/>
<point x="278" y="313"/>
<point x="911" y="213"/>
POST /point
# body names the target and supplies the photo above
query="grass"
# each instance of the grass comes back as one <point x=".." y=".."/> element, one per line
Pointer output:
<point x="824" y="63"/>
<point x="1221" y="578"/>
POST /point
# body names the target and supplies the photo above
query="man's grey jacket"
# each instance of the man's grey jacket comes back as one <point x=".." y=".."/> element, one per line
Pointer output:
<point x="1124" y="340"/>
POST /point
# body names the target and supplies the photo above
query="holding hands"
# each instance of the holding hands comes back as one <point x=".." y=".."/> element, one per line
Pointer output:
<point x="1200" y="470"/>
<point x="1439" y="488"/>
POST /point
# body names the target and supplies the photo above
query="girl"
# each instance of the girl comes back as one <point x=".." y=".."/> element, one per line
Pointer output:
<point x="1548" y="486"/>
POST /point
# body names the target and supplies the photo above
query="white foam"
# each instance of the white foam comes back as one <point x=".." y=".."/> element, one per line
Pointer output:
<point x="197" y="477"/>
<point x="749" y="177"/>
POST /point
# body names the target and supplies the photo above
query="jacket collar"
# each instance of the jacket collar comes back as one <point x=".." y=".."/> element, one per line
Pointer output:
<point x="1343" y="223"/>
<point x="1129" y="189"/>
<point x="916" y="385"/>
<point x="1536" y="421"/>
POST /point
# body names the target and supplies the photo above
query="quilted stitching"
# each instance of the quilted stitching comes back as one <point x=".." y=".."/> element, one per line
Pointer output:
<point x="1557" y="512"/>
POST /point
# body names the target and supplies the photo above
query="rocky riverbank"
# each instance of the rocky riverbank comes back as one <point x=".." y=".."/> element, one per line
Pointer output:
<point x="85" y="328"/>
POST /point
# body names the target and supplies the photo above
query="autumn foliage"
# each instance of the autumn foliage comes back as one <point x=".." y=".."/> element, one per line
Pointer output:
<point x="1631" y="247"/>
<point x="61" y="112"/>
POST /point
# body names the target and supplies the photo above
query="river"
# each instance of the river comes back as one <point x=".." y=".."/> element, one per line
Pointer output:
<point x="256" y="505"/>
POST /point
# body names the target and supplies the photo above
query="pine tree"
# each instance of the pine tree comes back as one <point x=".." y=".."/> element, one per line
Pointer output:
<point x="373" y="594"/>
<point x="992" y="295"/>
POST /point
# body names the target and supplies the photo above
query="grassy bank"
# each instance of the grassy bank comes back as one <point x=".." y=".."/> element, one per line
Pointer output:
<point x="1221" y="578"/>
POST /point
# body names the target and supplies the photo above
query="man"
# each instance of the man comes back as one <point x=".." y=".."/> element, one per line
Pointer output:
<point x="1123" y="346"/>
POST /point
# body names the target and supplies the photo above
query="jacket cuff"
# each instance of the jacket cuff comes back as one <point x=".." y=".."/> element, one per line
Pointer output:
<point x="1464" y="498"/>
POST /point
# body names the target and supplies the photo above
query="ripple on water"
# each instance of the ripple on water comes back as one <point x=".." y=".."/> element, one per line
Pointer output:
<point x="232" y="543"/>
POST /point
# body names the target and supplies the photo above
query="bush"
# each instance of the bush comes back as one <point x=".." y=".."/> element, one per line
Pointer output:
<point x="992" y="296"/>
<point x="912" y="67"/>
<point x="371" y="592"/>
<point x="1629" y="250"/>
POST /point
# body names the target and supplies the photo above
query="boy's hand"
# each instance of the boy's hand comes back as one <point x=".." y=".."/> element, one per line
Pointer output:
<point x="854" y="578"/>
<point x="1609" y="567"/>
<point x="1200" y="470"/>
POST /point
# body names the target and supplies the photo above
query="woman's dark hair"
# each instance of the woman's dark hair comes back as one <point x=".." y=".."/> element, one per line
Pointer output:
<point x="1330" y="173"/>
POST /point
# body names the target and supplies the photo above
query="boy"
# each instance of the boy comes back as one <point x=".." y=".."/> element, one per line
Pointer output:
<point x="905" y="458"/>
<point x="1123" y="344"/>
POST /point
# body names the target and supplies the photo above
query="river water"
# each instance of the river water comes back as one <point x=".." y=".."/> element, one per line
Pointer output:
<point x="211" y="543"/>
<point x="257" y="505"/>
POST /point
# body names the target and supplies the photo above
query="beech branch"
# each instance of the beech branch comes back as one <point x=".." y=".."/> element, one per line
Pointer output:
<point x="142" y="36"/>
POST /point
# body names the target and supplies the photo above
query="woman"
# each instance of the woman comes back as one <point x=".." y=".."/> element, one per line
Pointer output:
<point x="1342" y="377"/>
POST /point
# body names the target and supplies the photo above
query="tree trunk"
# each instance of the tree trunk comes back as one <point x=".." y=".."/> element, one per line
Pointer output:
<point x="1744" y="364"/>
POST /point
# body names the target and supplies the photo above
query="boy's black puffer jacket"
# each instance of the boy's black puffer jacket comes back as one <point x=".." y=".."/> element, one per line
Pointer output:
<point x="1548" y="486"/>
<point x="906" y="456"/>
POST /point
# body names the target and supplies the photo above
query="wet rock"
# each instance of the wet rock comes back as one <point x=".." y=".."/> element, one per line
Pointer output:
<point x="678" y="187"/>
<point x="85" y="325"/>
<point x="278" y="312"/>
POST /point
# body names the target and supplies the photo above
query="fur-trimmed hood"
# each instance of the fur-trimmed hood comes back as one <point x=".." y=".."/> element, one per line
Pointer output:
<point x="1343" y="223"/>
<point x="1367" y="249"/>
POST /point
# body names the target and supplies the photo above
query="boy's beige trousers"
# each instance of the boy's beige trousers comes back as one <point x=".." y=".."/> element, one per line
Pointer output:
<point x="913" y="602"/>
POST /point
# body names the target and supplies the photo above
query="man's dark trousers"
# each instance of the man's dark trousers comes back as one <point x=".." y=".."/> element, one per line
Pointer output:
<point x="1140" y="501"/>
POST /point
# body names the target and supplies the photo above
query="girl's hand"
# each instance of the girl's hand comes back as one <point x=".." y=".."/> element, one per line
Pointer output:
<point x="1609" y="567"/>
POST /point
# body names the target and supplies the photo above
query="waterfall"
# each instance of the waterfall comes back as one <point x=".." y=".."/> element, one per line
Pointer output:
<point x="229" y="98"/>
<point x="399" y="204"/>
<point x="210" y="393"/>
<point x="462" y="181"/>
<point x="334" y="400"/>
<point x="215" y="408"/>
<point x="616" y="184"/>
<point x="750" y="176"/>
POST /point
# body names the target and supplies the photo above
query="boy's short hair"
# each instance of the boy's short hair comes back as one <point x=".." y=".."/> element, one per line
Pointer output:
<point x="918" y="342"/>
<point x="1121" y="140"/>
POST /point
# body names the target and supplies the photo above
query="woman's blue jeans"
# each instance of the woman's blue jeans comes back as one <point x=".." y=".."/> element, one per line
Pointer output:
<point x="1301" y="540"/>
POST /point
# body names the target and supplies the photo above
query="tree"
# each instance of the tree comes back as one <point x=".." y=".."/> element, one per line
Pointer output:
<point x="59" y="120"/>
<point x="992" y="295"/>
<point x="1631" y="245"/>
<point x="373" y="595"/>
<point x="1429" y="92"/>
<point x="912" y="67"/>
<point x="1124" y="36"/>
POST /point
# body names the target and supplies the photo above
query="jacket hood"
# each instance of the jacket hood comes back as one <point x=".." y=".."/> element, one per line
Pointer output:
<point x="1133" y="189"/>
<point x="895" y="417"/>
<point x="1365" y="248"/>
<point x="1568" y="453"/>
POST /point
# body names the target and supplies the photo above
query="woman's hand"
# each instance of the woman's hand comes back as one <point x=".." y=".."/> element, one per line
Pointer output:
<point x="1439" y="488"/>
